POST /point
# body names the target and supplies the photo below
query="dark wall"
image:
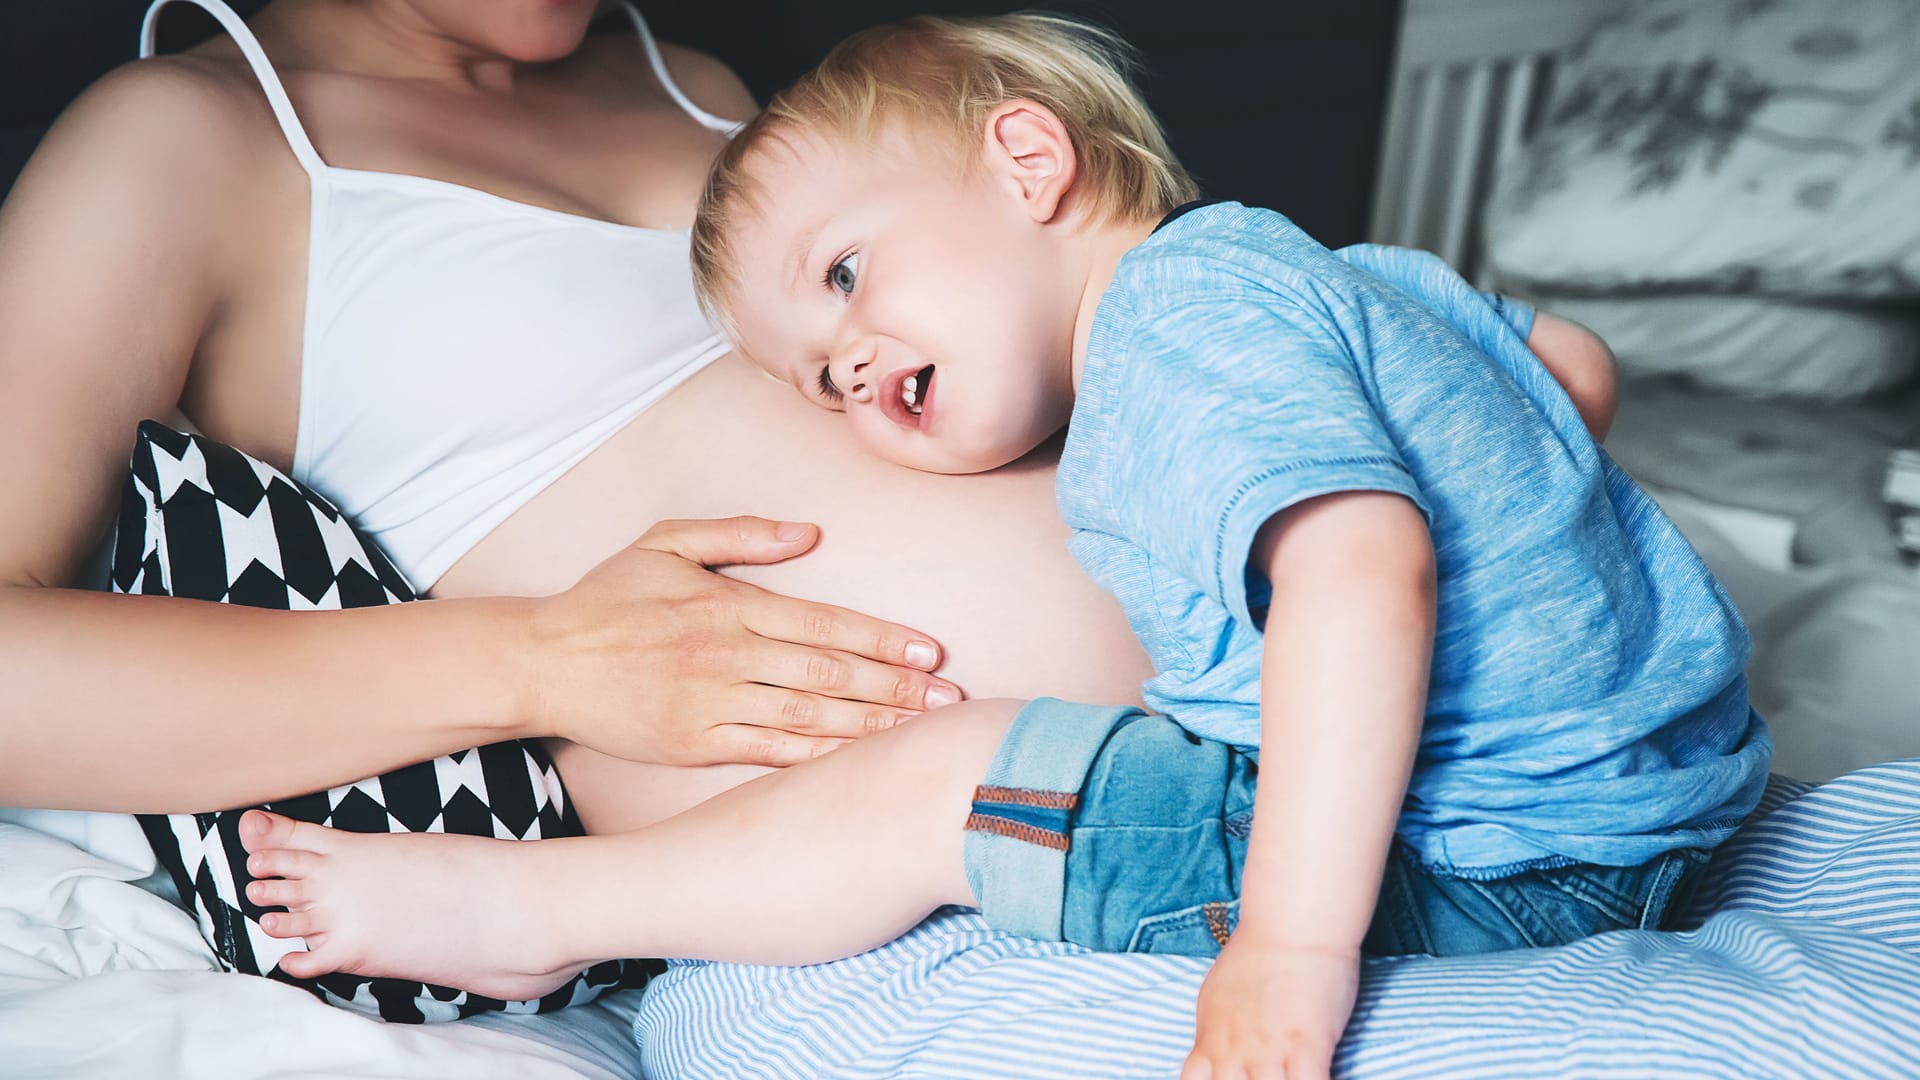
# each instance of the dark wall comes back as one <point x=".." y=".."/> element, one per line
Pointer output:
<point x="51" y="49"/>
<point x="1275" y="102"/>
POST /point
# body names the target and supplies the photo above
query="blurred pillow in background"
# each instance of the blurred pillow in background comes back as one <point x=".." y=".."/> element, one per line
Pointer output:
<point x="1757" y="346"/>
<point x="1747" y="146"/>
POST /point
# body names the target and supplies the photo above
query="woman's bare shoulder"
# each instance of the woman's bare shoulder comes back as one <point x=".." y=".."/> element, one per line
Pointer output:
<point x="160" y="117"/>
<point x="706" y="79"/>
<point x="111" y="262"/>
<point x="709" y="82"/>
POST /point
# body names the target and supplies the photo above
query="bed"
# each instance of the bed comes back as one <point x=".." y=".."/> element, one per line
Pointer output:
<point x="1808" y="938"/>
<point x="1744" y="229"/>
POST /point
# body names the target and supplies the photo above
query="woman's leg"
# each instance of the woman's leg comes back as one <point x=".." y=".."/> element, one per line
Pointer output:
<point x="612" y="795"/>
<point x="808" y="864"/>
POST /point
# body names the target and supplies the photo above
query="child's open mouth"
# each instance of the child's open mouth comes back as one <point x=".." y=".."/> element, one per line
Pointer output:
<point x="916" y="390"/>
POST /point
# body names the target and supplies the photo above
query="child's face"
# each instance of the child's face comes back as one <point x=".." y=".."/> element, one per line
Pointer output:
<point x="912" y="293"/>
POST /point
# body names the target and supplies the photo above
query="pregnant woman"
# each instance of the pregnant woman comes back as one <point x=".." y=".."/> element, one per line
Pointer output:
<point x="429" y="257"/>
<point x="438" y="270"/>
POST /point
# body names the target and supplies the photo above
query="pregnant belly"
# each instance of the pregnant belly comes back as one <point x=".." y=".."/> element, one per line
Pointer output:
<point x="979" y="562"/>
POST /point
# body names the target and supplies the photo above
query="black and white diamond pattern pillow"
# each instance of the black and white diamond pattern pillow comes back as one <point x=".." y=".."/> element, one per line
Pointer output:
<point x="202" y="520"/>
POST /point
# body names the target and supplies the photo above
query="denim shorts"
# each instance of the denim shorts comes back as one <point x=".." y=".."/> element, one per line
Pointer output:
<point x="1124" y="832"/>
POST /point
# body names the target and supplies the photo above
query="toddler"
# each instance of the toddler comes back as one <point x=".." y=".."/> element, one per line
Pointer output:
<point x="1491" y="697"/>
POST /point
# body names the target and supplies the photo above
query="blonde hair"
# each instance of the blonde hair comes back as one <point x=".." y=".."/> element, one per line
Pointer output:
<point x="949" y="73"/>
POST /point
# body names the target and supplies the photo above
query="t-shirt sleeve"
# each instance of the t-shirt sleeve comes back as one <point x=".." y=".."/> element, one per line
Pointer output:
<point x="1513" y="311"/>
<point x="1435" y="282"/>
<point x="1232" y="413"/>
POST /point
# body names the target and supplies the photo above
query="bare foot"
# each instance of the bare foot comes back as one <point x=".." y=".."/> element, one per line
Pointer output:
<point x="461" y="911"/>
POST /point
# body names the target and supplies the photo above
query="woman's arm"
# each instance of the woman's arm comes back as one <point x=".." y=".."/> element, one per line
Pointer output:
<point x="112" y="257"/>
<point x="116" y="250"/>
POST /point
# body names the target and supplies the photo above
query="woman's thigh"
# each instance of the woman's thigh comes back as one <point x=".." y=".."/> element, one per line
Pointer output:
<point x="612" y="795"/>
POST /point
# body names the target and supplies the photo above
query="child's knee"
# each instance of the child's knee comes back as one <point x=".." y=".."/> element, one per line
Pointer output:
<point x="948" y="749"/>
<point x="969" y="728"/>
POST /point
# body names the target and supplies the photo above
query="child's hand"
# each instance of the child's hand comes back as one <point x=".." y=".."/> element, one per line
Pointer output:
<point x="1271" y="1012"/>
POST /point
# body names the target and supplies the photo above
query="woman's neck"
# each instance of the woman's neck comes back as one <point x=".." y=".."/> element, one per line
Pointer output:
<point x="386" y="39"/>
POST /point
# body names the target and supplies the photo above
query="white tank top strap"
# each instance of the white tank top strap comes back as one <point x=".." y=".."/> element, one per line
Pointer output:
<point x="262" y="70"/>
<point x="707" y="119"/>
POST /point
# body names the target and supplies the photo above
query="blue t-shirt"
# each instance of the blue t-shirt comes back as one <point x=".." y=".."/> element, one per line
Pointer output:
<point x="1586" y="702"/>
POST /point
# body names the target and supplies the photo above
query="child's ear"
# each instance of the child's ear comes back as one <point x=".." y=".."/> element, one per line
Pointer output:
<point x="1030" y="153"/>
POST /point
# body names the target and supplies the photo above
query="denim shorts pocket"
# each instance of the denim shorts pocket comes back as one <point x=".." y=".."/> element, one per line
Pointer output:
<point x="1605" y="896"/>
<point x="1199" y="930"/>
<point x="1576" y="902"/>
<point x="1542" y="910"/>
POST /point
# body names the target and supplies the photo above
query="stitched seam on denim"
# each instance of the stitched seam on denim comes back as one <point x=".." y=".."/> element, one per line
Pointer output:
<point x="1668" y="881"/>
<point x="1685" y="890"/>
<point x="1017" y="830"/>
<point x="1665" y="879"/>
<point x="1011" y="796"/>
<point x="1154" y="927"/>
<point x="1617" y="906"/>
<point x="1521" y="916"/>
<point x="1541" y="929"/>
<point x="1216" y="914"/>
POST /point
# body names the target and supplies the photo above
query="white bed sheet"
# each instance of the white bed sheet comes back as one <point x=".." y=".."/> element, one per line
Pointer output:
<point x="1782" y="499"/>
<point x="1833" y="666"/>
<point x="100" y="978"/>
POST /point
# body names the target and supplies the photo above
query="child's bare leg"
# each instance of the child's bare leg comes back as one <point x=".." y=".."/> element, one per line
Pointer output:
<point x="804" y="865"/>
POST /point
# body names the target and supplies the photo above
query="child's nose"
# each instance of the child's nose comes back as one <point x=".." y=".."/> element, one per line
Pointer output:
<point x="859" y="385"/>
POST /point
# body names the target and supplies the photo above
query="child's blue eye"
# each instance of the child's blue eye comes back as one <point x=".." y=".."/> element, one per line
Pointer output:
<point x="844" y="274"/>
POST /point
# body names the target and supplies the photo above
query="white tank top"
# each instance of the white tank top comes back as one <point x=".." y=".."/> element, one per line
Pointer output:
<point x="463" y="350"/>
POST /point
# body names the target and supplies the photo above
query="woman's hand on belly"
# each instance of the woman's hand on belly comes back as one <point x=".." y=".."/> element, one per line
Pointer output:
<point x="652" y="657"/>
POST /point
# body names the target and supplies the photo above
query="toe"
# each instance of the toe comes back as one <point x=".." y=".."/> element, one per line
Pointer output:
<point x="278" y="892"/>
<point x="260" y="830"/>
<point x="288" y="924"/>
<point x="324" y="954"/>
<point x="282" y="862"/>
<point x="303" y="965"/>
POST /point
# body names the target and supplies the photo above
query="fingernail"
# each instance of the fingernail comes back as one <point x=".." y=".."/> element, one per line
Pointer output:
<point x="938" y="696"/>
<point x="790" y="530"/>
<point x="922" y="654"/>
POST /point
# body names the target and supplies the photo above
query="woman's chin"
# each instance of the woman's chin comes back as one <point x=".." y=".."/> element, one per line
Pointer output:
<point x="542" y="49"/>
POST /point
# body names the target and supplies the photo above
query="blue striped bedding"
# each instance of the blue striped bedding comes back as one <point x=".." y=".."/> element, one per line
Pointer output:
<point x="1803" y="960"/>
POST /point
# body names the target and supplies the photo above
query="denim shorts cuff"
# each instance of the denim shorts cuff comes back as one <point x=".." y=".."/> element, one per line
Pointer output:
<point x="1016" y="840"/>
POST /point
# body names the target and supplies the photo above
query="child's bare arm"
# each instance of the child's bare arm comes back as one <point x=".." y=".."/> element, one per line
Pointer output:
<point x="1349" y="637"/>
<point x="1583" y="366"/>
